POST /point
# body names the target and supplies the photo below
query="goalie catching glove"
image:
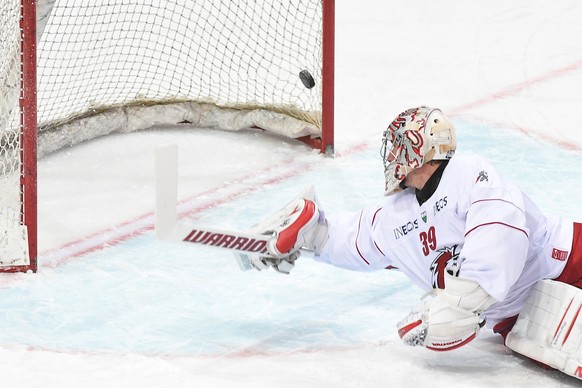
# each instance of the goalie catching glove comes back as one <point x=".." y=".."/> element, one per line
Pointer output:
<point x="446" y="319"/>
<point x="302" y="226"/>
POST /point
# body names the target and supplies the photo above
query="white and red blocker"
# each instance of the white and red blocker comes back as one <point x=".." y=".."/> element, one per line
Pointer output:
<point x="304" y="227"/>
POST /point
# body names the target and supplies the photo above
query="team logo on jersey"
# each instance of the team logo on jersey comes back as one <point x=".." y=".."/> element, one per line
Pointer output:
<point x="423" y="216"/>
<point x="483" y="176"/>
<point x="448" y="257"/>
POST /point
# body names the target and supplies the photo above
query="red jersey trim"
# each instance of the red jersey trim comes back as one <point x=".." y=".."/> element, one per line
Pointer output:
<point x="497" y="223"/>
<point x="357" y="236"/>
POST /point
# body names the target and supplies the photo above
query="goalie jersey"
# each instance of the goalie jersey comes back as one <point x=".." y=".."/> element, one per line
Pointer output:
<point x="476" y="224"/>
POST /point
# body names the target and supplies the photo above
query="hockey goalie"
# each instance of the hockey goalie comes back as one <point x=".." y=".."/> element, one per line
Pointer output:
<point x="486" y="256"/>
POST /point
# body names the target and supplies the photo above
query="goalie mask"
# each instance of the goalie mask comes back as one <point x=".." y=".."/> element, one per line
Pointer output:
<point x="415" y="137"/>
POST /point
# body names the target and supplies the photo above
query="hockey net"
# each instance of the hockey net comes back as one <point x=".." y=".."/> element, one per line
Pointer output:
<point x="105" y="66"/>
<point x="228" y="64"/>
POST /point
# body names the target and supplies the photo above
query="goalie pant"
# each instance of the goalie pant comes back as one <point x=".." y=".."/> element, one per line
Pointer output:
<point x="572" y="274"/>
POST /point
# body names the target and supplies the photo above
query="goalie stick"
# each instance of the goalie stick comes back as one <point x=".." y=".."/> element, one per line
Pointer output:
<point x="244" y="245"/>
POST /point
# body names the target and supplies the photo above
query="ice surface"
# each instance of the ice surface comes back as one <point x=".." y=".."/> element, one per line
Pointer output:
<point x="112" y="307"/>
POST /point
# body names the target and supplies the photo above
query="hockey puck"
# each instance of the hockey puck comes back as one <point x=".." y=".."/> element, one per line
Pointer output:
<point x="307" y="79"/>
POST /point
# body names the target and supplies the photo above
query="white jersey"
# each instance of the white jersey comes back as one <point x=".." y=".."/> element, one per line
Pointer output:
<point x="475" y="221"/>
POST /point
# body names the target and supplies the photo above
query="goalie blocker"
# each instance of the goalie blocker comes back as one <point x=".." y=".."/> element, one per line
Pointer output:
<point x="549" y="327"/>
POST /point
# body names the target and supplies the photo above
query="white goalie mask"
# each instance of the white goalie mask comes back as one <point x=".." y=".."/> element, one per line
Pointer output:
<point x="414" y="138"/>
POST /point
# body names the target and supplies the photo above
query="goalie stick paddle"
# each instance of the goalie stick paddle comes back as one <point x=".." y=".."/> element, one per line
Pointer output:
<point x="242" y="245"/>
<point x="226" y="239"/>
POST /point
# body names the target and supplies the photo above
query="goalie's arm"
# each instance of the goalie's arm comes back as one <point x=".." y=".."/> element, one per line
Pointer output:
<point x="496" y="239"/>
<point x="351" y="244"/>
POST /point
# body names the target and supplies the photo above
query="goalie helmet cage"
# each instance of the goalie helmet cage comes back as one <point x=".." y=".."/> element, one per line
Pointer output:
<point x="18" y="123"/>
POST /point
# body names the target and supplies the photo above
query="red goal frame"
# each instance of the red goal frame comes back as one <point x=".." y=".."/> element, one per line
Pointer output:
<point x="28" y="132"/>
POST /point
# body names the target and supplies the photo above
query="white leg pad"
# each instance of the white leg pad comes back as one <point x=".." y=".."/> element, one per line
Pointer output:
<point x="549" y="327"/>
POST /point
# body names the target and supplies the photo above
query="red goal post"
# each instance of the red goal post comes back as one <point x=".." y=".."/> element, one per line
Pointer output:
<point x="228" y="64"/>
<point x="18" y="123"/>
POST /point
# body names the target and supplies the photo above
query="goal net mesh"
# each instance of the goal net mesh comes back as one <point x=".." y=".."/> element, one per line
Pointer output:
<point x="178" y="61"/>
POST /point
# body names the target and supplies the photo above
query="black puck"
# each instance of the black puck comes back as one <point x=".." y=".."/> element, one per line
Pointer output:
<point x="307" y="79"/>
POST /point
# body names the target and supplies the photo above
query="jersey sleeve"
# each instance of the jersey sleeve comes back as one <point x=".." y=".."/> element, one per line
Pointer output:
<point x="351" y="243"/>
<point x="495" y="236"/>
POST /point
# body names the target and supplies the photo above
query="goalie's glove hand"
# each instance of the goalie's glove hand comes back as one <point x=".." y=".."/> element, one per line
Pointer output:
<point x="281" y="264"/>
<point x="436" y="325"/>
<point x="304" y="227"/>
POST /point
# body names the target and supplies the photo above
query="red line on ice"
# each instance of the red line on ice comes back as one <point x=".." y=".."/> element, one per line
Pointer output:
<point x="514" y="89"/>
<point x="144" y="223"/>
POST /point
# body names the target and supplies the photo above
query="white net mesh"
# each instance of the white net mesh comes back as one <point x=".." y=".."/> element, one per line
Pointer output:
<point x="94" y="56"/>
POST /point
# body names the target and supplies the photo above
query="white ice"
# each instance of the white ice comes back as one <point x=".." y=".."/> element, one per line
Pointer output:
<point x="111" y="306"/>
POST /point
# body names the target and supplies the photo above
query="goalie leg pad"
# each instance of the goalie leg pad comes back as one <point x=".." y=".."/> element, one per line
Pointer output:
<point x="549" y="327"/>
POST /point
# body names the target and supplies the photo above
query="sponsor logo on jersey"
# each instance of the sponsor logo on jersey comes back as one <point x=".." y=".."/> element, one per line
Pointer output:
<point x="403" y="230"/>
<point x="439" y="205"/>
<point x="447" y="258"/>
<point x="560" y="255"/>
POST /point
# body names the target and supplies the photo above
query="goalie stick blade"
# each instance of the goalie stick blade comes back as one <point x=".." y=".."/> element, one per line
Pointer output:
<point x="166" y="176"/>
